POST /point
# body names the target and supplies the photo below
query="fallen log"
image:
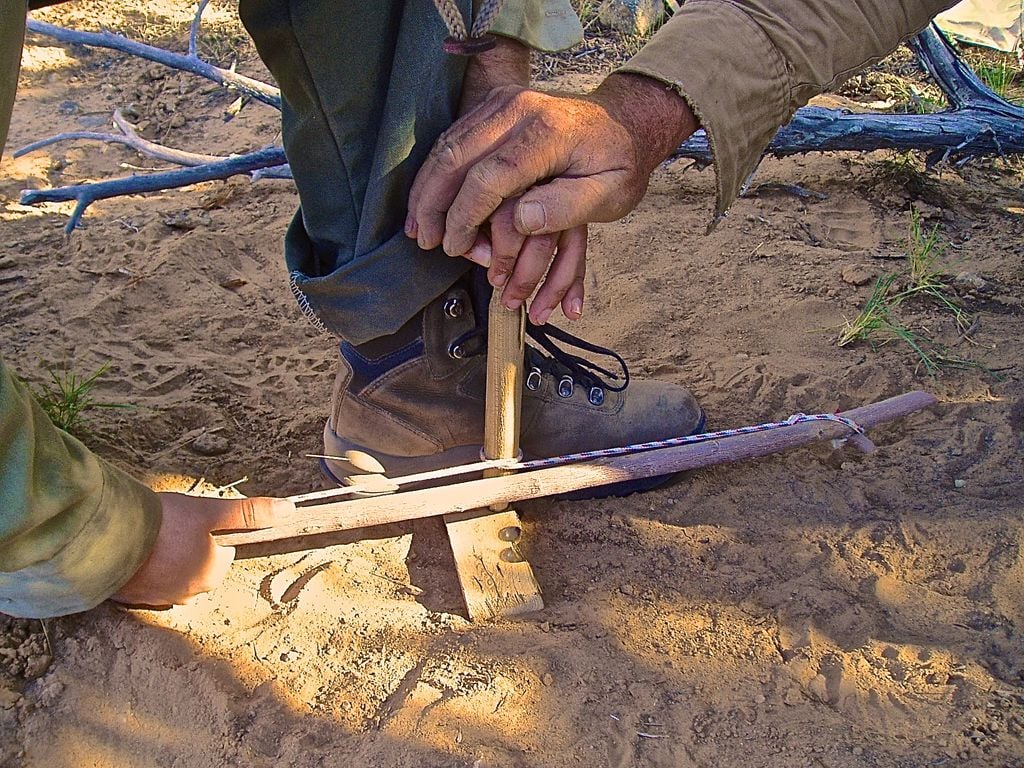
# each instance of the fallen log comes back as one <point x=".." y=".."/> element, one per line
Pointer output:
<point x="462" y="497"/>
<point x="979" y="123"/>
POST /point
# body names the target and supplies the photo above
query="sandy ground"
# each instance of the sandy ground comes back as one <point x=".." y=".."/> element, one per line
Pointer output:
<point x="821" y="608"/>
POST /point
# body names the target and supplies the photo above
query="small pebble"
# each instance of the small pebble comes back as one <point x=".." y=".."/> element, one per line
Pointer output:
<point x="8" y="698"/>
<point x="858" y="751"/>
<point x="958" y="483"/>
<point x="210" y="445"/>
<point x="36" y="666"/>
<point x="858" y="274"/>
<point x="971" y="281"/>
<point x="548" y="679"/>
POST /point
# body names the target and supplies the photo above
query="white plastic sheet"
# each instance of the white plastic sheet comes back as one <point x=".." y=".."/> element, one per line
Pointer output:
<point x="991" y="23"/>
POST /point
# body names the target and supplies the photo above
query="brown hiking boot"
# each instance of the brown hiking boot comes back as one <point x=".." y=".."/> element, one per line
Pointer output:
<point x="414" y="400"/>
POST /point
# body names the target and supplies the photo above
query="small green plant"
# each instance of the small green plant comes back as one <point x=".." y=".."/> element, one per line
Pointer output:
<point x="915" y="100"/>
<point x="997" y="72"/>
<point x="587" y="11"/>
<point x="901" y="169"/>
<point x="67" y="396"/>
<point x="878" y="323"/>
<point x="873" y="317"/>
<point x="924" y="277"/>
<point x="923" y="248"/>
<point x="999" y="77"/>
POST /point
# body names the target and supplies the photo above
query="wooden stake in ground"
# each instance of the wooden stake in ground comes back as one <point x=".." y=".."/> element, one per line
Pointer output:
<point x="495" y="578"/>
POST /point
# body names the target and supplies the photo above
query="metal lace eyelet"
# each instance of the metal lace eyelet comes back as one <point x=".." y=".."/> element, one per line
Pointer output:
<point x="596" y="396"/>
<point x="533" y="379"/>
<point x="456" y="351"/>
<point x="566" y="386"/>
<point x="454" y="308"/>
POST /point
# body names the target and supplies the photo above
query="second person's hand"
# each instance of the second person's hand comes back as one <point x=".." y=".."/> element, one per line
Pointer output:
<point x="186" y="560"/>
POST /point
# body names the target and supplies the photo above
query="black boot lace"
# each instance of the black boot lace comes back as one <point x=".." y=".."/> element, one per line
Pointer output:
<point x="550" y="358"/>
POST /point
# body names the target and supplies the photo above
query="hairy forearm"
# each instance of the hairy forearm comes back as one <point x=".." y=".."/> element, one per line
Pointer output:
<point x="654" y="114"/>
<point x="508" y="63"/>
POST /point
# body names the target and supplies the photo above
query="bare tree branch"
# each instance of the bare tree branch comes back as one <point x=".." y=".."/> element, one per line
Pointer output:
<point x="260" y="91"/>
<point x="129" y="138"/>
<point x="193" y="31"/>
<point x="980" y="123"/>
<point x="86" y="194"/>
<point x="957" y="81"/>
<point x="959" y="135"/>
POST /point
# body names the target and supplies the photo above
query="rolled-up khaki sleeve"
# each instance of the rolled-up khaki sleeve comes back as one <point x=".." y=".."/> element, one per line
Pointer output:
<point x="73" y="528"/>
<point x="544" y="25"/>
<point x="745" y="66"/>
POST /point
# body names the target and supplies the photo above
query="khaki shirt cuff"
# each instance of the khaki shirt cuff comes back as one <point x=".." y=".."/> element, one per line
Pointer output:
<point x="740" y="92"/>
<point x="544" y="25"/>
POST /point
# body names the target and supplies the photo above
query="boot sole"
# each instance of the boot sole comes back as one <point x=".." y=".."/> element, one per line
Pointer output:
<point x="399" y="466"/>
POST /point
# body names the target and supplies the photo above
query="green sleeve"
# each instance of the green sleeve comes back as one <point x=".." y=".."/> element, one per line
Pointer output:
<point x="12" y="35"/>
<point x="73" y="528"/>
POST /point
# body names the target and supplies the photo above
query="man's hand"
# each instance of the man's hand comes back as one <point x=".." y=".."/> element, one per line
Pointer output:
<point x="499" y="245"/>
<point x="563" y="160"/>
<point x="185" y="560"/>
<point x="517" y="263"/>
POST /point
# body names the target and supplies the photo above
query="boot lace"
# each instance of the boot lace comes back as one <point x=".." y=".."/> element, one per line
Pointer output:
<point x="550" y="356"/>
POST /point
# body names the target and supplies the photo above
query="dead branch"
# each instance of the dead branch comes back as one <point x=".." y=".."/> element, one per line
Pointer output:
<point x="980" y="123"/>
<point x="86" y="194"/>
<point x="190" y="62"/>
<point x="193" y="30"/>
<point x="129" y="138"/>
<point x="266" y="163"/>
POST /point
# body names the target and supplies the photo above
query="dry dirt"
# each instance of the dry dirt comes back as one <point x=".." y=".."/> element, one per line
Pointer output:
<point x="820" y="609"/>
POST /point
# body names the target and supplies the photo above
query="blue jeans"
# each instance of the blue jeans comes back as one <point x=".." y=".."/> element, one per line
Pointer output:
<point x="367" y="90"/>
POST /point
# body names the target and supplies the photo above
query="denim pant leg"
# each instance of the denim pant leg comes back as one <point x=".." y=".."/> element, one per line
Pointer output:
<point x="367" y="90"/>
